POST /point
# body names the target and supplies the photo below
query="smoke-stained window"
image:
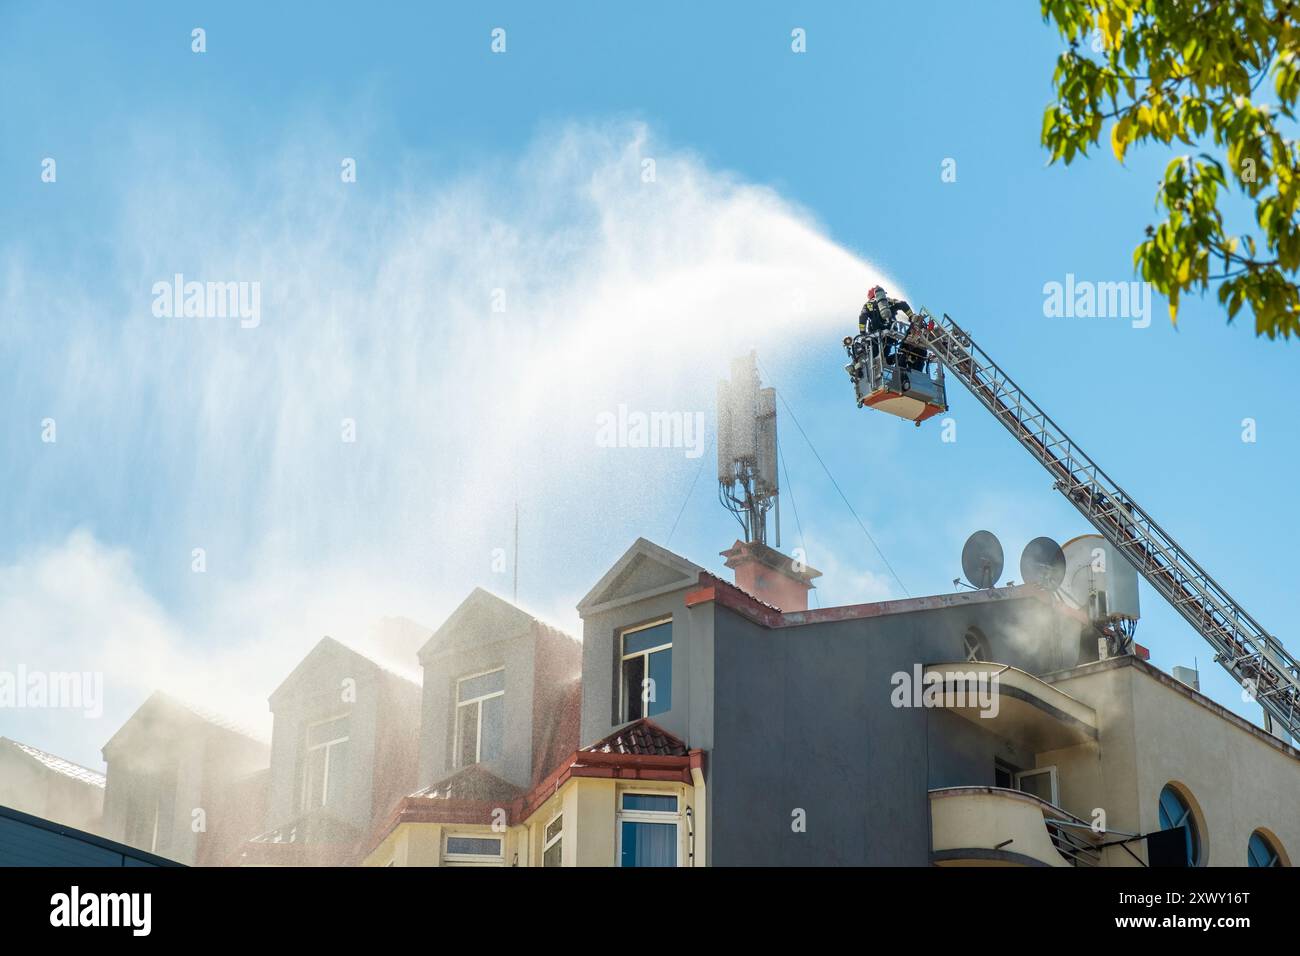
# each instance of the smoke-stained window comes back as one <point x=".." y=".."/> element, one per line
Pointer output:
<point x="975" y="645"/>
<point x="480" y="718"/>
<point x="647" y="670"/>
<point x="325" y="762"/>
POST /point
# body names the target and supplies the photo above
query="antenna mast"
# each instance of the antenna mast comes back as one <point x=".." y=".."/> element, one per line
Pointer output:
<point x="747" y="482"/>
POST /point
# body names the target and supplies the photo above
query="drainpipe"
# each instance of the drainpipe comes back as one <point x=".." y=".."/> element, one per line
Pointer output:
<point x="700" y="801"/>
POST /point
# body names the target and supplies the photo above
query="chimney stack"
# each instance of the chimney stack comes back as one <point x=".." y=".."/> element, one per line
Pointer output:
<point x="771" y="576"/>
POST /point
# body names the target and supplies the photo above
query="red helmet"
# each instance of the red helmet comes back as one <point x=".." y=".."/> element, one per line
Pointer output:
<point x="872" y="294"/>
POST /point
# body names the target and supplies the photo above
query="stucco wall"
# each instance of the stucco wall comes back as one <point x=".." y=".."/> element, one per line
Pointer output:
<point x="803" y="722"/>
<point x="690" y="715"/>
<point x="1156" y="731"/>
<point x="27" y="786"/>
<point x="438" y="719"/>
<point x="321" y="697"/>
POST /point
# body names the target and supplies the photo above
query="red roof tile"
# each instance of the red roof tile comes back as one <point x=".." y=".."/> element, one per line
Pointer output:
<point x="472" y="783"/>
<point x="317" y="838"/>
<point x="643" y="738"/>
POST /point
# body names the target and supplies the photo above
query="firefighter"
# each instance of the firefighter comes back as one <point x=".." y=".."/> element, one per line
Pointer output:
<point x="879" y="311"/>
<point x="914" y="354"/>
<point x="870" y="319"/>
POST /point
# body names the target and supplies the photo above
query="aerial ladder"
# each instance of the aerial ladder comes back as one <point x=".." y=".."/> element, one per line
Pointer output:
<point x="898" y="365"/>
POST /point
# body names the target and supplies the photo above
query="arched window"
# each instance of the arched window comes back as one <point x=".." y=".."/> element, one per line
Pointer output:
<point x="975" y="645"/>
<point x="1261" y="852"/>
<point x="1176" y="812"/>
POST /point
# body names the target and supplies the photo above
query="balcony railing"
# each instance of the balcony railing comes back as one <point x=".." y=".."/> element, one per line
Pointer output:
<point x="994" y="825"/>
<point x="1073" y="839"/>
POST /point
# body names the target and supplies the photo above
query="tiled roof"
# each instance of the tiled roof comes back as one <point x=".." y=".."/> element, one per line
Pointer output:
<point x="312" y="827"/>
<point x="640" y="751"/>
<point x="472" y="783"/>
<point x="314" y="839"/>
<point x="643" y="738"/>
<point x="710" y="577"/>
<point x="60" y="766"/>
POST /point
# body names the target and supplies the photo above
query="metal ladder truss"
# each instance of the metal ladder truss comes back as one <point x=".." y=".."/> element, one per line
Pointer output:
<point x="1255" y="659"/>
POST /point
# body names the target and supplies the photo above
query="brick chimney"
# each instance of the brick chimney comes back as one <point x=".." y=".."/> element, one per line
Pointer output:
<point x="771" y="576"/>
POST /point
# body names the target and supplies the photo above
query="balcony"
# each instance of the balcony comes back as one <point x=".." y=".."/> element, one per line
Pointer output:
<point x="1025" y="709"/>
<point x="992" y="826"/>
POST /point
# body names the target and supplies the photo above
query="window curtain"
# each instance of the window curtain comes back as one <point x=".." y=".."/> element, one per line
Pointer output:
<point x="649" y="844"/>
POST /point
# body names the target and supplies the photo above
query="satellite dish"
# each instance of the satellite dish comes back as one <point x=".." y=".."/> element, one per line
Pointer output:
<point x="981" y="559"/>
<point x="1043" y="563"/>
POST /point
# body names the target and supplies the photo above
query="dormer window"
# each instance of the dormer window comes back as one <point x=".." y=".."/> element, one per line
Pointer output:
<point x="647" y="670"/>
<point x="324" y="772"/>
<point x="480" y="717"/>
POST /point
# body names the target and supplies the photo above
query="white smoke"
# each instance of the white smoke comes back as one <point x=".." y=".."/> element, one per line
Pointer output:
<point x="379" y="308"/>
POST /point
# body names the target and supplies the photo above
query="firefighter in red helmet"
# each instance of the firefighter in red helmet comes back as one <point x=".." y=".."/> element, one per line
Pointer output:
<point x="879" y="310"/>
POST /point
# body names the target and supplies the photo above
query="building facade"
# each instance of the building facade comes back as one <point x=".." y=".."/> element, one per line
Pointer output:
<point x="969" y="729"/>
<point x="49" y="787"/>
<point x="698" y="723"/>
<point x="343" y="751"/>
<point x="182" y="783"/>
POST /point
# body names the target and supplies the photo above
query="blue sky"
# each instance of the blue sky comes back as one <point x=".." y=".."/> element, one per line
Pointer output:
<point x="781" y="177"/>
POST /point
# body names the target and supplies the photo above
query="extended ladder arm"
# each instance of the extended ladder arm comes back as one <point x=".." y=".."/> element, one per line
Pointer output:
<point x="1254" y="658"/>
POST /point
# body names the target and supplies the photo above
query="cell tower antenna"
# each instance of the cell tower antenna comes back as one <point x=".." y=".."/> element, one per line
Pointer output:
<point x="747" y="463"/>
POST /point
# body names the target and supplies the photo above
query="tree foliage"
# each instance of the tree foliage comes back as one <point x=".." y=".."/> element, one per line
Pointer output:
<point x="1195" y="71"/>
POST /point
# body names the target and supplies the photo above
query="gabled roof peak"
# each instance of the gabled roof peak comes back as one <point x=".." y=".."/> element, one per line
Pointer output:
<point x="411" y="676"/>
<point x="668" y="572"/>
<point x="170" y="703"/>
<point x="328" y="644"/>
<point x="497" y="615"/>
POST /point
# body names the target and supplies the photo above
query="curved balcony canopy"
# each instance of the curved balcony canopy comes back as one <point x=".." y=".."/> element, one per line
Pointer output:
<point x="1012" y="704"/>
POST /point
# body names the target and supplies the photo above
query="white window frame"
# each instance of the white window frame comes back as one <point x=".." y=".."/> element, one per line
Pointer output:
<point x="327" y="746"/>
<point x="479" y="858"/>
<point x="475" y="702"/>
<point x="624" y="657"/>
<point x="547" y="843"/>
<point x="1051" y="772"/>
<point x="649" y="816"/>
